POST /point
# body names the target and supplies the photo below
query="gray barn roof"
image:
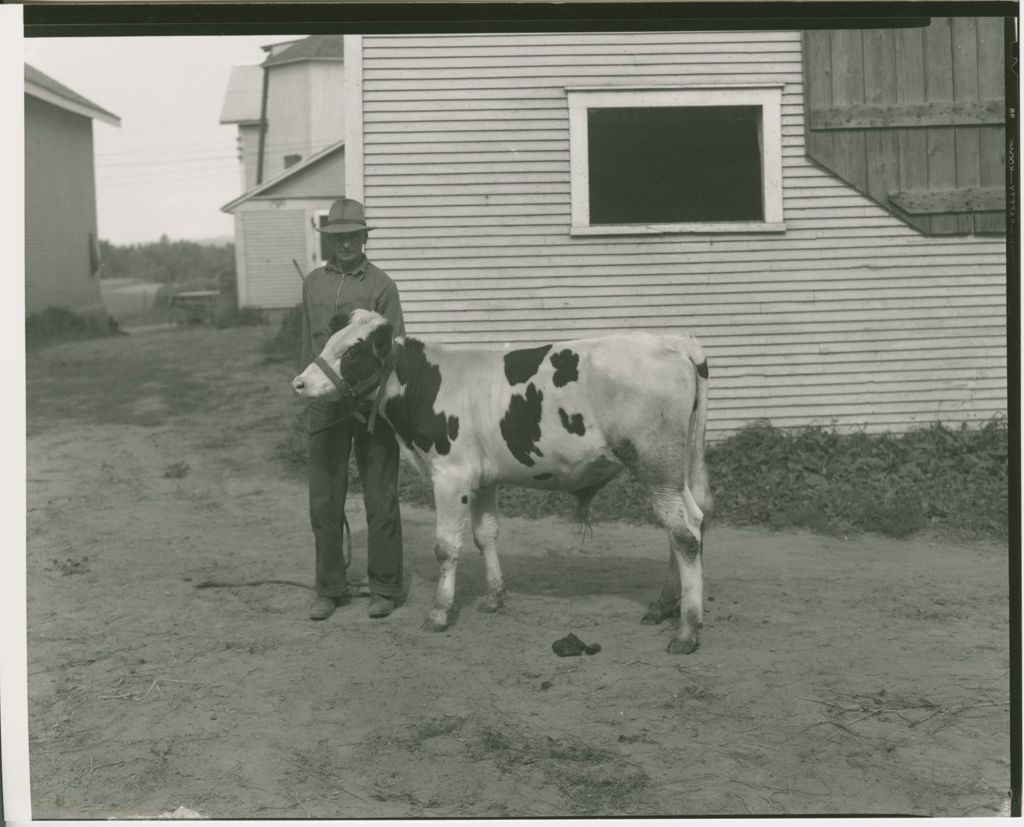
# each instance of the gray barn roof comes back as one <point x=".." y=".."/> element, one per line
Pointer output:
<point x="242" y="100"/>
<point x="42" y="86"/>
<point x="315" y="47"/>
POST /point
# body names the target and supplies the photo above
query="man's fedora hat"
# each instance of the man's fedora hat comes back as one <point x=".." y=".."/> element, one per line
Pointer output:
<point x="346" y="216"/>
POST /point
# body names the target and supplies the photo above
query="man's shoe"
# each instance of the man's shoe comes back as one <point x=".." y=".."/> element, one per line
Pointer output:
<point x="381" y="605"/>
<point x="323" y="607"/>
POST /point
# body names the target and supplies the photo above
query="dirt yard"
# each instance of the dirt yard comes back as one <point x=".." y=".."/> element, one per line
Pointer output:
<point x="835" y="676"/>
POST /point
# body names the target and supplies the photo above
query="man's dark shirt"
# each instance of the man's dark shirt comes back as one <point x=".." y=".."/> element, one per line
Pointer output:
<point x="328" y="290"/>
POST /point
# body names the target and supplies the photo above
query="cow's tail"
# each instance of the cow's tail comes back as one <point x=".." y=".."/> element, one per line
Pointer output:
<point x="697" y="472"/>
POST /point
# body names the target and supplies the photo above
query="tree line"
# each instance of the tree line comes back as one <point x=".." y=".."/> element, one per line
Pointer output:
<point x="170" y="262"/>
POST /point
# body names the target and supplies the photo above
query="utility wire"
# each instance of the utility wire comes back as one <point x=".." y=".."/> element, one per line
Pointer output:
<point x="158" y="169"/>
<point x="164" y="162"/>
<point x="276" y="147"/>
<point x="181" y="179"/>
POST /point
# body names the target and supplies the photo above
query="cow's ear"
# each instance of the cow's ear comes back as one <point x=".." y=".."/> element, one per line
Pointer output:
<point x="380" y="340"/>
<point x="338" y="321"/>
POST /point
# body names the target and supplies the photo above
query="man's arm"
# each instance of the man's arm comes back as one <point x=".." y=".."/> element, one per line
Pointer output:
<point x="389" y="305"/>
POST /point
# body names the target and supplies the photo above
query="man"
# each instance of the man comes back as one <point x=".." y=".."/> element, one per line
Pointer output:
<point x="348" y="281"/>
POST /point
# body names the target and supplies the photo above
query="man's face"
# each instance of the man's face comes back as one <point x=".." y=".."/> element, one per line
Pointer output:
<point x="348" y="247"/>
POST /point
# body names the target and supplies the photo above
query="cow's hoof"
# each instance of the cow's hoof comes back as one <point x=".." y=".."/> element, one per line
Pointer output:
<point x="657" y="613"/>
<point x="431" y="625"/>
<point x="491" y="603"/>
<point x="682" y="647"/>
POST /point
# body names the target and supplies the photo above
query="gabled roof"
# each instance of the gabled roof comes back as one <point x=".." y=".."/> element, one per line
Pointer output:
<point x="242" y="100"/>
<point x="315" y="47"/>
<point x="268" y="185"/>
<point x="45" y="88"/>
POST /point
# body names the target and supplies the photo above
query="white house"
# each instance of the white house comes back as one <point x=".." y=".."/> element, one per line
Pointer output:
<point x="824" y="210"/>
<point x="290" y="131"/>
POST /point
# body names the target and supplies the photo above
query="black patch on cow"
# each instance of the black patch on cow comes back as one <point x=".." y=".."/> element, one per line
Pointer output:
<point x="411" y="413"/>
<point x="625" y="451"/>
<point x="342" y="316"/>
<point x="566" y="363"/>
<point x="520" y="426"/>
<point x="545" y="476"/>
<point x="573" y="424"/>
<point x="358" y="363"/>
<point x="522" y="365"/>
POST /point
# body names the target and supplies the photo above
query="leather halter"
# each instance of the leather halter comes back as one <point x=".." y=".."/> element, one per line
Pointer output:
<point x="355" y="394"/>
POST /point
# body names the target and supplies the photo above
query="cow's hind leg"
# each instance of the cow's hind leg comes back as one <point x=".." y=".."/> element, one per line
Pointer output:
<point x="451" y="499"/>
<point x="484" y="509"/>
<point x="667" y="604"/>
<point x="679" y="513"/>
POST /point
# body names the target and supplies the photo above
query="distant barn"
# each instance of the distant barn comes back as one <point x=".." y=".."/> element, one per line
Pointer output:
<point x="61" y="240"/>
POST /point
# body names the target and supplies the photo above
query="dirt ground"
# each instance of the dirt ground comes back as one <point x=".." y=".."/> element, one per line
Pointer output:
<point x="862" y="675"/>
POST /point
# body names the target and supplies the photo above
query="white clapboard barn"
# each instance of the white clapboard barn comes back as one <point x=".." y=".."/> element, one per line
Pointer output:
<point x="62" y="258"/>
<point x="290" y="122"/>
<point x="824" y="210"/>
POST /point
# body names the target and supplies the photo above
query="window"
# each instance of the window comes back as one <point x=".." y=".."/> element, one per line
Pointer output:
<point x="676" y="160"/>
<point x="321" y="251"/>
<point x="291" y="160"/>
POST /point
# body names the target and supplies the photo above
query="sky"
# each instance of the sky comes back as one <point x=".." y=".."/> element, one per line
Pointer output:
<point x="170" y="166"/>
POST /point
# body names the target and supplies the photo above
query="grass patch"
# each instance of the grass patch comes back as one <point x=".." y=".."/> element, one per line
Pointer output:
<point x="286" y="345"/>
<point x="115" y="392"/>
<point x="128" y="380"/>
<point x="55" y="325"/>
<point x="950" y="479"/>
<point x="892" y="484"/>
<point x="245" y="316"/>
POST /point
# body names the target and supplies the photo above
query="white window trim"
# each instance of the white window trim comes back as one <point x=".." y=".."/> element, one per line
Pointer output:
<point x="767" y="95"/>
<point x="314" y="223"/>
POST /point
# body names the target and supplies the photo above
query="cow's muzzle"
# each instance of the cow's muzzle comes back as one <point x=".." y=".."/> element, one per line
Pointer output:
<point x="354" y="395"/>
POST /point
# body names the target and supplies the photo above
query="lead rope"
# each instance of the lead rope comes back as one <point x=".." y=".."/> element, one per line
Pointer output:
<point x="380" y="379"/>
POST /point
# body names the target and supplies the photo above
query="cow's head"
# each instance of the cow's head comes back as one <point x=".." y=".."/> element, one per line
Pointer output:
<point x="360" y="343"/>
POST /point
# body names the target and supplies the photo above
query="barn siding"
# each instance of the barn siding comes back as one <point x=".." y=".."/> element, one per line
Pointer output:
<point x="289" y="116"/>
<point x="297" y="123"/>
<point x="849" y="316"/>
<point x="60" y="210"/>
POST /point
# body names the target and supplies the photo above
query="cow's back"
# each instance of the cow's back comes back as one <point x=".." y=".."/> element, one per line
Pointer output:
<point x="569" y="415"/>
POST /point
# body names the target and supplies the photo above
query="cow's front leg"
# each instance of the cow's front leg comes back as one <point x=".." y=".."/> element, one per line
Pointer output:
<point x="484" y="509"/>
<point x="451" y="499"/>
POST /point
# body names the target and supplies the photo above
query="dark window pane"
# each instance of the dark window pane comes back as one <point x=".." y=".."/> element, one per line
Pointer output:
<point x="291" y="160"/>
<point x="675" y="164"/>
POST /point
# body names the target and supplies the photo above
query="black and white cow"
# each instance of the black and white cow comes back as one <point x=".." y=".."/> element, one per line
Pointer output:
<point x="568" y="416"/>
